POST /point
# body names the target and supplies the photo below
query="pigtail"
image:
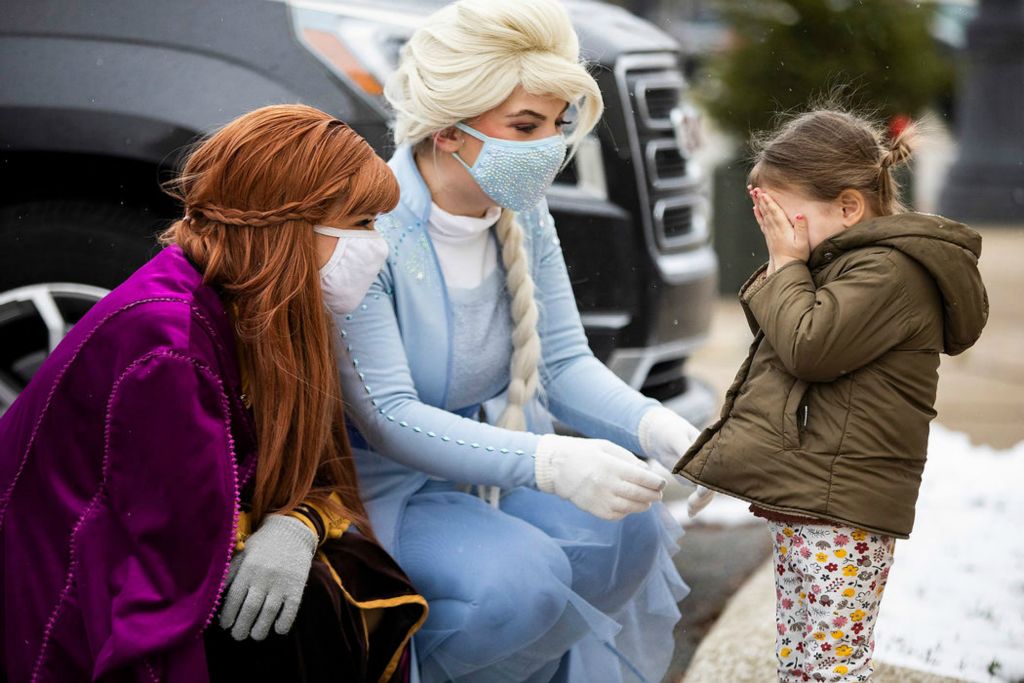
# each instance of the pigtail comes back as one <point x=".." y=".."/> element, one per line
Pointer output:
<point x="894" y="152"/>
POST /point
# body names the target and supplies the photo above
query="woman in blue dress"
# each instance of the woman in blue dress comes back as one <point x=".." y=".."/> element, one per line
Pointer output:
<point x="542" y="557"/>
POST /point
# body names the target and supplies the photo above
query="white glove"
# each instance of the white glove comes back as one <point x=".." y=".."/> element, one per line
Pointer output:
<point x="665" y="436"/>
<point x="698" y="500"/>
<point x="268" y="576"/>
<point x="596" y="475"/>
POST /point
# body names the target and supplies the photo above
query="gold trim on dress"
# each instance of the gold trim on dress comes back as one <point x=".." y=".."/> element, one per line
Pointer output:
<point x="383" y="603"/>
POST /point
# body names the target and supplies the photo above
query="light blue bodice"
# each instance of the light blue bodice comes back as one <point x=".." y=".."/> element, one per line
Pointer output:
<point x="397" y="363"/>
<point x="482" y="338"/>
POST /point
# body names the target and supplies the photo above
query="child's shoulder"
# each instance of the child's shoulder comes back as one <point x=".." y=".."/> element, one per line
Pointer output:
<point x="915" y="247"/>
<point x="877" y="260"/>
<point x="889" y="268"/>
<point x="885" y="255"/>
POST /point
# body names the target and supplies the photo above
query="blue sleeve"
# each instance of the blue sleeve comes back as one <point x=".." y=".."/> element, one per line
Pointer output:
<point x="383" y="402"/>
<point x="581" y="391"/>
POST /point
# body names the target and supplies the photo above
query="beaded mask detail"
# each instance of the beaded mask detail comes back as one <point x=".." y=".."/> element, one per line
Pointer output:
<point x="515" y="174"/>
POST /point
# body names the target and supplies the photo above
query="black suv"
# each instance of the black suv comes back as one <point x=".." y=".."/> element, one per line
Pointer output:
<point x="100" y="99"/>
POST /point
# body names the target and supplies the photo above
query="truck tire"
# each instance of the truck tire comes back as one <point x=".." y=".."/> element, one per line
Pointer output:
<point x="57" y="258"/>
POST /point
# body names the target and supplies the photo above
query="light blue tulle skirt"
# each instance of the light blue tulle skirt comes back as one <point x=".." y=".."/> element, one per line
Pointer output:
<point x="539" y="590"/>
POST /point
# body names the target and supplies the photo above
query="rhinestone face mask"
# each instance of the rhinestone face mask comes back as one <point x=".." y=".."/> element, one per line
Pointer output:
<point x="515" y="174"/>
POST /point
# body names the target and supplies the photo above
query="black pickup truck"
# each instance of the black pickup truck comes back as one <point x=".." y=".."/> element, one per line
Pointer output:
<point x="99" y="99"/>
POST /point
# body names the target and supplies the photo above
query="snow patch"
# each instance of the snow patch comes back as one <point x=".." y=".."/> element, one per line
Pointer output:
<point x="954" y="604"/>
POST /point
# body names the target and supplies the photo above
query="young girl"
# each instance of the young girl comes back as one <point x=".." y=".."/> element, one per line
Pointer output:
<point x="825" y="428"/>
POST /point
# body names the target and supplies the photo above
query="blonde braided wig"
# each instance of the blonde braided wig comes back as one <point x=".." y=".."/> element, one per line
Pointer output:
<point x="465" y="60"/>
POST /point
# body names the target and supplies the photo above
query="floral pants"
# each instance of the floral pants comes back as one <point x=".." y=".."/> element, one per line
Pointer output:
<point x="829" y="582"/>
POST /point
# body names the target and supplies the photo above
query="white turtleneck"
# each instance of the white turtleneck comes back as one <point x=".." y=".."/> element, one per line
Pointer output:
<point x="464" y="247"/>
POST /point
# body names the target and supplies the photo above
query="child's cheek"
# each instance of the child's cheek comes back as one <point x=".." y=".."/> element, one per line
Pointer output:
<point x="814" y="238"/>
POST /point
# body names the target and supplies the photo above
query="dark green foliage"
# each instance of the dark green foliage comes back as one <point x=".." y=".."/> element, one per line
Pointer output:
<point x="874" y="55"/>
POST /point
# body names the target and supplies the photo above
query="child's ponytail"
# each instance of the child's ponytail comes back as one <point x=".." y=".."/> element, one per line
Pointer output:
<point x="896" y="151"/>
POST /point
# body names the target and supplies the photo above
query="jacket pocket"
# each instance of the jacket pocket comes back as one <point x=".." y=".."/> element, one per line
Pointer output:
<point x="796" y="415"/>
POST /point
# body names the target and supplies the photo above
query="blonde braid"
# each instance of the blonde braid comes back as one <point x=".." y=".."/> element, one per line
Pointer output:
<point x="524" y="377"/>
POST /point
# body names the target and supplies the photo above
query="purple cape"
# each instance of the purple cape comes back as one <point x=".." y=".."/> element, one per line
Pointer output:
<point x="119" y="484"/>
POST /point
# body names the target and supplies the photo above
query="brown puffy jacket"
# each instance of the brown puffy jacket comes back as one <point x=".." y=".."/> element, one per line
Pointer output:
<point x="828" y="416"/>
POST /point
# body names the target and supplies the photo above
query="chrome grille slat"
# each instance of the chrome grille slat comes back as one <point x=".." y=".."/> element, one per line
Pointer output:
<point x="666" y="165"/>
<point x="679" y="221"/>
<point x="656" y="96"/>
<point x="652" y="88"/>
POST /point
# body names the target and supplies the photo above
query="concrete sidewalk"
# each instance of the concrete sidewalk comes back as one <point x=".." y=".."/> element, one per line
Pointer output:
<point x="980" y="393"/>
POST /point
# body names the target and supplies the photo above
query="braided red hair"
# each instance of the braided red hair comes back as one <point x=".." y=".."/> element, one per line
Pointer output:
<point x="252" y="192"/>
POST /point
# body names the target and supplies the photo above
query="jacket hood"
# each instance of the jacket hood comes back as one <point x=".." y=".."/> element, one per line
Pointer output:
<point x="948" y="250"/>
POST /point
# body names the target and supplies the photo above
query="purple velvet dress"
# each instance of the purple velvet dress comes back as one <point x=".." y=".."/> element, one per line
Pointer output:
<point x="121" y="470"/>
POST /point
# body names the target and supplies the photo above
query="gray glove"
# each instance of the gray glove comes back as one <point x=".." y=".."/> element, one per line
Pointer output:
<point x="268" y="577"/>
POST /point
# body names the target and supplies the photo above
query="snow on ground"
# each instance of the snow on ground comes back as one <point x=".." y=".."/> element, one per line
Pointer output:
<point x="955" y="600"/>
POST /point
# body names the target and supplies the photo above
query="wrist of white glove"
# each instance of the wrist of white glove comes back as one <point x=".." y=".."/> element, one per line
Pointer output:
<point x="266" y="579"/>
<point x="595" y="475"/>
<point x="665" y="436"/>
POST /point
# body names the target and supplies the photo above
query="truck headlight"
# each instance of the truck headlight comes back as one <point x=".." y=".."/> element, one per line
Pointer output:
<point x="357" y="42"/>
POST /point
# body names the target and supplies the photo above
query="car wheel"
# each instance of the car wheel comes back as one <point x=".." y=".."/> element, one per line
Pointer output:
<point x="57" y="259"/>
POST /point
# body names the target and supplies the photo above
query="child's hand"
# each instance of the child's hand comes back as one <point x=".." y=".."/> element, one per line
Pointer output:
<point x="752" y="191"/>
<point x="698" y="500"/>
<point x="787" y="242"/>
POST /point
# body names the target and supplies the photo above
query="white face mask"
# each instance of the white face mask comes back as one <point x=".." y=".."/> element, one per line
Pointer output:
<point x="357" y="258"/>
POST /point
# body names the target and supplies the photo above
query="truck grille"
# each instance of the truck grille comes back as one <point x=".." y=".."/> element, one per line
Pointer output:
<point x="666" y="164"/>
<point x="658" y="99"/>
<point x="652" y="87"/>
<point x="676" y="221"/>
<point x="669" y="164"/>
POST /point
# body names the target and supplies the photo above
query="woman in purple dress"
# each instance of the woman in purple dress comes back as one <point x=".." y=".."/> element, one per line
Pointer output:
<point x="183" y="450"/>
